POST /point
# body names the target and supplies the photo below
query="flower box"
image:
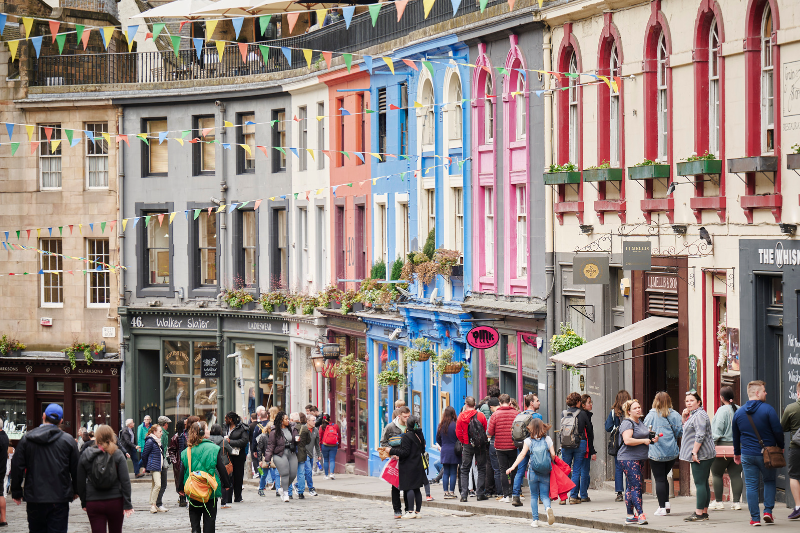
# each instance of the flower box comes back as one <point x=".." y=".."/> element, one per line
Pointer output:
<point x="452" y="368"/>
<point x="759" y="163"/>
<point x="249" y="306"/>
<point x="560" y="178"/>
<point x="335" y="305"/>
<point x="648" y="172"/>
<point x="357" y="306"/>
<point x="700" y="167"/>
<point x="793" y="161"/>
<point x="424" y="356"/>
<point x="13" y="353"/>
<point x="602" y="174"/>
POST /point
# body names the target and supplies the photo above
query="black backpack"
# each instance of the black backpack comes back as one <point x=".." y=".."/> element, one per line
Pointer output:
<point x="477" y="433"/>
<point x="614" y="441"/>
<point x="103" y="473"/>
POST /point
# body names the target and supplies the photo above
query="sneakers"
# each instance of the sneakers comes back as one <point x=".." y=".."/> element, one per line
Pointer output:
<point x="661" y="512"/>
<point x="429" y="498"/>
<point x="642" y="520"/>
<point x="754" y="523"/>
<point x="716" y="506"/>
<point x="312" y="492"/>
<point x="286" y="497"/>
<point x="261" y="493"/>
<point x="551" y="518"/>
<point x="410" y="515"/>
<point x="667" y="507"/>
<point x="498" y="498"/>
<point x="768" y="518"/>
<point x="162" y="509"/>
<point x="326" y="477"/>
<point x="736" y="506"/>
<point x="505" y="500"/>
<point x="795" y="514"/>
<point x="535" y="523"/>
<point x="694" y="517"/>
<point x="226" y="506"/>
<point x="398" y="515"/>
<point x="153" y="509"/>
<point x="562" y="502"/>
<point x="631" y="520"/>
<point x="619" y="497"/>
<point x="482" y="498"/>
<point x="333" y="476"/>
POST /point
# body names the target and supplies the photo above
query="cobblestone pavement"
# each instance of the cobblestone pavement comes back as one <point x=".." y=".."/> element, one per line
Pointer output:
<point x="318" y="514"/>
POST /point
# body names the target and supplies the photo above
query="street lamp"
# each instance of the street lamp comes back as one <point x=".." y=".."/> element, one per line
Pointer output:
<point x="238" y="357"/>
<point x="318" y="359"/>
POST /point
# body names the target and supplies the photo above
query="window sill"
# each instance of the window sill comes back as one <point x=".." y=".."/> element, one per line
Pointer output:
<point x="708" y="203"/>
<point x="769" y="201"/>
<point x="98" y="306"/>
<point x="97" y="188"/>
<point x="619" y="207"/>
<point x="52" y="306"/>
<point x="154" y="291"/>
<point x="563" y="208"/>
<point x="206" y="173"/>
<point x="50" y="189"/>
<point x="655" y="205"/>
<point x="156" y="175"/>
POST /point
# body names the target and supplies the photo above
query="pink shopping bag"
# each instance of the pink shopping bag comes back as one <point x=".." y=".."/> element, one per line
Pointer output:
<point x="391" y="472"/>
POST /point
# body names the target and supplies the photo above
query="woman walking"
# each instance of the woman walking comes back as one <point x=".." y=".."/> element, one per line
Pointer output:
<point x="581" y="491"/>
<point x="635" y="443"/>
<point x="612" y="422"/>
<point x="697" y="447"/>
<point x="446" y="438"/>
<point x="204" y="456"/>
<point x="216" y="436"/>
<point x="665" y="422"/>
<point x="330" y="437"/>
<point x="174" y="454"/>
<point x="539" y="450"/>
<point x="151" y="459"/>
<point x="108" y="506"/>
<point x="281" y="449"/>
<point x="722" y="433"/>
<point x="412" y="472"/>
<point x="237" y="435"/>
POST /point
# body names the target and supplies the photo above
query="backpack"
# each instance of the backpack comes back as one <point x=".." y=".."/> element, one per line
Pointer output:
<point x="103" y="473"/>
<point x="613" y="441"/>
<point x="519" y="428"/>
<point x="199" y="486"/>
<point x="569" y="430"/>
<point x="477" y="433"/>
<point x="330" y="437"/>
<point x="540" y="461"/>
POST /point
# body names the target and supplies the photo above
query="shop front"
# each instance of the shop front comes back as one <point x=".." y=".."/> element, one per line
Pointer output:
<point x="305" y="334"/>
<point x="89" y="394"/>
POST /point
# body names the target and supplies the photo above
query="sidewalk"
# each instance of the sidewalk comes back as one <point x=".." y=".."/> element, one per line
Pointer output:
<point x="601" y="513"/>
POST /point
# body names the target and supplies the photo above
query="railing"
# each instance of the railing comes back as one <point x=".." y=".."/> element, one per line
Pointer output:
<point x="164" y="66"/>
<point x="97" y="6"/>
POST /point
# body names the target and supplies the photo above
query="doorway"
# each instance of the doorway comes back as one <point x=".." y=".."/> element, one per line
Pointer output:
<point x="662" y="366"/>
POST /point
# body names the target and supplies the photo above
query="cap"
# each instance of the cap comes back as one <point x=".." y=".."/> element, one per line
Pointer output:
<point x="54" y="412"/>
<point x="164" y="420"/>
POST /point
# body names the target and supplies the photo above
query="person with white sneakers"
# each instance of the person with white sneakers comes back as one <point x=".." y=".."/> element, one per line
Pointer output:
<point x="665" y="422"/>
<point x="539" y="453"/>
<point x="722" y="432"/>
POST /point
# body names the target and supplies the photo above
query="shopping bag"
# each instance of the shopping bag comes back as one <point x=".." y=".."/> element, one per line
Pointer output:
<point x="391" y="472"/>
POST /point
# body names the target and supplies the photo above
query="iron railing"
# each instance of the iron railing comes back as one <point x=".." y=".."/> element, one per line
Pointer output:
<point x="164" y="66"/>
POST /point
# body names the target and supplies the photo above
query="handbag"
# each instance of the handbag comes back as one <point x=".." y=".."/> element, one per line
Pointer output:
<point x="426" y="460"/>
<point x="199" y="486"/>
<point x="459" y="448"/>
<point x="796" y="437"/>
<point x="229" y="464"/>
<point x="773" y="456"/>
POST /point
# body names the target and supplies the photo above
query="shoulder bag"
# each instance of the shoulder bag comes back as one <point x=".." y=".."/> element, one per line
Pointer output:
<point x="773" y="456"/>
<point x="426" y="461"/>
<point x="229" y="464"/>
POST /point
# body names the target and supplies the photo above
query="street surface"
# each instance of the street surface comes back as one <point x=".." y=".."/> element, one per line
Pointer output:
<point x="319" y="514"/>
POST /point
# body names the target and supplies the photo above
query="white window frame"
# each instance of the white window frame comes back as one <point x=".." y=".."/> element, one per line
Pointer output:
<point x="403" y="240"/>
<point x="430" y="204"/>
<point x="714" y="59"/>
<point x="92" y="276"/>
<point x="51" y="263"/>
<point x="207" y="142"/>
<point x="321" y="135"/>
<point x="614" y="121"/>
<point x="248" y="219"/>
<point x="383" y="228"/>
<point x="302" y="229"/>
<point x="767" y="84"/>
<point x="457" y="111"/>
<point x="458" y="219"/>
<point x="488" y="110"/>
<point x="520" y="192"/>
<point x="99" y="145"/>
<point x="49" y="158"/>
<point x="302" y="117"/>
<point x="488" y="229"/>
<point x="520" y="107"/>
<point x="574" y="123"/>
<point x="249" y="138"/>
<point x="662" y="98"/>
<point x="429" y="119"/>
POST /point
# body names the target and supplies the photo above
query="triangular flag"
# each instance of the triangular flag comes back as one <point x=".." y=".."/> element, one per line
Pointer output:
<point x="393" y="107"/>
<point x="233" y="206"/>
<point x="308" y="54"/>
<point x="237" y="25"/>
<point x="131" y="34"/>
<point x="417" y="104"/>
<point x="246" y="148"/>
<point x="176" y="43"/>
<point x="388" y="61"/>
<point x="321" y="16"/>
<point x="220" y="48"/>
<point x="10" y="129"/>
<point x="311" y="153"/>
<point x="348" y="60"/>
<point x="348" y="11"/>
<point x="209" y="210"/>
<point x="345" y="112"/>
<point x="292" y="19"/>
<point x="147" y="220"/>
<point x="206" y="131"/>
<point x="211" y="25"/>
<point x="376" y="155"/>
<point x="161" y="136"/>
<point x="456" y="4"/>
<point x="263" y="149"/>
<point x="258" y="203"/>
<point x="102" y="227"/>
<point x="143" y="138"/>
<point x="2" y="23"/>
<point x="196" y="214"/>
<point x="123" y="137"/>
<point x="294" y="151"/>
<point x="483" y="4"/>
<point x="428" y="5"/>
<point x="244" y="204"/>
<point x="61" y="38"/>
<point x="280" y="149"/>
<point x="37" y="44"/>
<point x="124" y="224"/>
<point x="85" y="38"/>
<point x="360" y="156"/>
<point x="368" y="63"/>
<point x="226" y="146"/>
<point x="68" y="133"/>
<point x="54" y="145"/>
<point x="411" y="64"/>
<point x="28" y="23"/>
<point x="34" y="146"/>
<point x="54" y="24"/>
<point x="328" y="56"/>
<point x="107" y="137"/>
<point x="29" y="234"/>
<point x="264" y="52"/>
<point x="135" y="221"/>
<point x="243" y="51"/>
<point x="374" y="9"/>
<point x="429" y="66"/>
<point x="401" y="7"/>
<point x="510" y="5"/>
<point x="107" y="32"/>
<point x="74" y="142"/>
<point x="198" y="46"/>
<point x="80" y="229"/>
<point x="157" y="29"/>
<point x="161" y="219"/>
<point x="287" y="53"/>
<point x="48" y="132"/>
<point x="12" y="47"/>
<point x="346" y="154"/>
<point x="263" y="22"/>
<point x="227" y="124"/>
<point x="14" y="146"/>
<point x="91" y="226"/>
<point x="502" y="71"/>
<point x="179" y="140"/>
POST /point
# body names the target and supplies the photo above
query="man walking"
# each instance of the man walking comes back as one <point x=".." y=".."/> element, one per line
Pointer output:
<point x="260" y="428"/>
<point x="474" y="444"/>
<point x="3" y="461"/>
<point x="47" y="461"/>
<point x="164" y="422"/>
<point x="532" y="404"/>
<point x="312" y="448"/>
<point x="754" y="423"/>
<point x="500" y="431"/>
<point x="127" y="441"/>
<point x="790" y="421"/>
<point x="141" y="436"/>
<point x="391" y="437"/>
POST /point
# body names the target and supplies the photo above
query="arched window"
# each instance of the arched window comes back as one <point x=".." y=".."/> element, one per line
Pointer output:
<point x="767" y="86"/>
<point x="614" y="118"/>
<point x="429" y="120"/>
<point x="456" y="110"/>
<point x="488" y="109"/>
<point x="574" y="118"/>
<point x="520" y="107"/>
<point x="713" y="90"/>
<point x="663" y="100"/>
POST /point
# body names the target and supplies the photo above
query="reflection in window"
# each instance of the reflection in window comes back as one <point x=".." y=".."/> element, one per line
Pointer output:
<point x="363" y="417"/>
<point x="492" y="361"/>
<point x="157" y="250"/>
<point x="530" y="368"/>
<point x="92" y="413"/>
<point x="176" y="397"/>
<point x="207" y="247"/>
<point x="92" y="387"/>
<point x="176" y="357"/>
<point x="248" y="352"/>
<point x="50" y="386"/>
<point x="205" y="399"/>
<point x="198" y="350"/>
<point x="14" y="420"/>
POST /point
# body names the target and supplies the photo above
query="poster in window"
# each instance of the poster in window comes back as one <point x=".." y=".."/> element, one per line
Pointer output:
<point x="694" y="374"/>
<point x="733" y="349"/>
<point x="444" y="401"/>
<point x="162" y="264"/>
<point x="416" y="404"/>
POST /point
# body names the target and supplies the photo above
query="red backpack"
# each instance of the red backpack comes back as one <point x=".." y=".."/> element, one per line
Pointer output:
<point x="331" y="435"/>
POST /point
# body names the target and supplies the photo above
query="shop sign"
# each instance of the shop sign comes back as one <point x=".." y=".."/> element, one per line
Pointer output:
<point x="483" y="337"/>
<point x="256" y="325"/>
<point x="174" y="322"/>
<point x="210" y="363"/>
<point x="662" y="282"/>
<point x="778" y="256"/>
<point x="636" y="255"/>
<point x="529" y="339"/>
<point x="589" y="270"/>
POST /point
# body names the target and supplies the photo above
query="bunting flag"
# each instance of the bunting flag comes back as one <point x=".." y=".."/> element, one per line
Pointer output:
<point x="237" y="25"/>
<point x="428" y="5"/>
<point x="308" y="54"/>
<point x="123" y="137"/>
<point x="411" y="64"/>
<point x="348" y="60"/>
<point x="263" y="22"/>
<point x="220" y="49"/>
<point x="456" y="4"/>
<point x="61" y="38"/>
<point x="321" y="16"/>
<point x="348" y="11"/>
<point x="368" y="63"/>
<point x="157" y="29"/>
<point x="14" y="146"/>
<point x="107" y="33"/>
<point x="85" y="38"/>
<point x="292" y="19"/>
<point x="34" y="146"/>
<point x="344" y="111"/>
<point x="328" y="56"/>
<point x="69" y="133"/>
<point x="198" y="46"/>
<point x="287" y="53"/>
<point x="510" y="5"/>
<point x="28" y="23"/>
<point x="12" y="47"/>
<point x="258" y="203"/>
<point x="374" y="9"/>
<point x="37" y="45"/>
<point x="294" y="151"/>
<point x="483" y="4"/>
<point x="176" y="43"/>
<point x="264" y="52"/>
<point x="143" y="138"/>
<point x="388" y="61"/>
<point x="54" y="25"/>
<point x="211" y="25"/>
<point x="30" y="128"/>
<point x="131" y="34"/>
<point x="311" y="153"/>
<point x="10" y="129"/>
<point x="263" y="149"/>
<point x="243" y="47"/>
<point x="161" y="136"/>
<point x="428" y="65"/>
<point x="227" y="124"/>
<point x="401" y="7"/>
<point x="2" y="23"/>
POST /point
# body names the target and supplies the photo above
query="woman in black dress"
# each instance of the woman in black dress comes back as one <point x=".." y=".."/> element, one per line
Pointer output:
<point x="412" y="472"/>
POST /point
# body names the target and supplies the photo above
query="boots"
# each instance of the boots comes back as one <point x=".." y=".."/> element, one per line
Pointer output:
<point x="182" y="501"/>
<point x="515" y="501"/>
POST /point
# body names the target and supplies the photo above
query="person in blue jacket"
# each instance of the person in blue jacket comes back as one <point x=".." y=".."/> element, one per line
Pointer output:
<point x="757" y="416"/>
<point x="665" y="422"/>
<point x="613" y="421"/>
<point x="152" y="459"/>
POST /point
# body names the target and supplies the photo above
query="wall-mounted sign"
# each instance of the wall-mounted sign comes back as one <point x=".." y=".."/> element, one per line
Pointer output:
<point x="174" y="322"/>
<point x="210" y="364"/>
<point x="416" y="404"/>
<point x="780" y="256"/>
<point x="256" y="325"/>
<point x="662" y="282"/>
<point x="529" y="339"/>
<point x="483" y="337"/>
<point x="636" y="255"/>
<point x="589" y="270"/>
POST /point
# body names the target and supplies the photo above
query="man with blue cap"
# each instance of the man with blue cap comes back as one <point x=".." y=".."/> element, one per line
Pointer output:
<point x="44" y="472"/>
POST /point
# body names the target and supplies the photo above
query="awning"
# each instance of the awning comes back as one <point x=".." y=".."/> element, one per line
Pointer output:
<point x="613" y="340"/>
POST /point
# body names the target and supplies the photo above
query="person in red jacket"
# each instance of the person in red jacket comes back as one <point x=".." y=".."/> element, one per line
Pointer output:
<point x="500" y="429"/>
<point x="470" y="451"/>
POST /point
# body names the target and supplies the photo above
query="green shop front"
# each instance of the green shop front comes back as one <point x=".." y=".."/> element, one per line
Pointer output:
<point x="178" y="362"/>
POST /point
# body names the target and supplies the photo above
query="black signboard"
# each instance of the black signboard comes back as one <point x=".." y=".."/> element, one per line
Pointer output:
<point x="174" y="322"/>
<point x="210" y="363"/>
<point x="636" y="255"/>
<point x="589" y="270"/>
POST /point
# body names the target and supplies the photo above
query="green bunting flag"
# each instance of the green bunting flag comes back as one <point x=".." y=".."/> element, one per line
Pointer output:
<point x="14" y="146"/>
<point x="102" y="227"/>
<point x="196" y="214"/>
<point x="264" y="52"/>
<point x="79" y="31"/>
<point x="17" y="234"/>
<point x="60" y="229"/>
<point x="157" y="28"/>
<point x="483" y="4"/>
<point x="429" y="66"/>
<point x="347" y="154"/>
<point x="61" y="39"/>
<point x="263" y="22"/>
<point x="280" y="149"/>
<point x="147" y="220"/>
<point x="374" y="9"/>
<point x="176" y="43"/>
<point x="69" y="136"/>
<point x="295" y="195"/>
<point x="184" y="133"/>
<point x="348" y="60"/>
<point x="272" y="123"/>
<point x="502" y="71"/>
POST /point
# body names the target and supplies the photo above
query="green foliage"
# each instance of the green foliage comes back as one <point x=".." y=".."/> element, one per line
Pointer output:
<point x="566" y="167"/>
<point x="567" y="340"/>
<point x="349" y="365"/>
<point x="645" y="163"/>
<point x="705" y="157"/>
<point x="391" y="376"/>
<point x="430" y="244"/>
<point x="397" y="269"/>
<point x="236" y="298"/>
<point x="796" y="148"/>
<point x="10" y="345"/>
<point x="88" y="352"/>
<point x="378" y="270"/>
<point x="604" y="164"/>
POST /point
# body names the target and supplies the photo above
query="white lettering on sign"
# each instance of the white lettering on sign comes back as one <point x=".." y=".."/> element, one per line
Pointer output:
<point x="137" y="322"/>
<point x="89" y="371"/>
<point x="793" y="365"/>
<point x="259" y="326"/>
<point x="168" y="323"/>
<point x="662" y="282"/>
<point x="9" y="369"/>
<point x="778" y="256"/>
<point x="195" y="323"/>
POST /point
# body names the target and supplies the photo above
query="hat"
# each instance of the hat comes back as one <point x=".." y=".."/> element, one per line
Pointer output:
<point x="164" y="420"/>
<point x="54" y="412"/>
<point x="493" y="402"/>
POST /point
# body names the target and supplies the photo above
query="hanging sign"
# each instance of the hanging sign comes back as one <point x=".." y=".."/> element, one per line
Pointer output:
<point x="529" y="339"/>
<point x="636" y="255"/>
<point x="209" y="363"/>
<point x="483" y="337"/>
<point x="589" y="270"/>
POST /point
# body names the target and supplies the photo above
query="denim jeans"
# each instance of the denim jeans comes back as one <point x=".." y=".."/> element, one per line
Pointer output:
<point x="753" y="466"/>
<point x="449" y="477"/>
<point x="48" y="517"/>
<point x="498" y="481"/>
<point x="619" y="475"/>
<point x="262" y="483"/>
<point x="308" y="472"/>
<point x="301" y="477"/>
<point x="522" y="468"/>
<point x="575" y="458"/>
<point x="329" y="458"/>
<point x="540" y="488"/>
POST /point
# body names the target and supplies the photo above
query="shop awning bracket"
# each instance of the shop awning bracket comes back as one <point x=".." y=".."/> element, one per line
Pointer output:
<point x="597" y="245"/>
<point x="585" y="310"/>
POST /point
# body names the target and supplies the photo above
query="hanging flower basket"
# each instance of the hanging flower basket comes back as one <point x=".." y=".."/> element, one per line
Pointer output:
<point x="424" y="356"/>
<point x="452" y="368"/>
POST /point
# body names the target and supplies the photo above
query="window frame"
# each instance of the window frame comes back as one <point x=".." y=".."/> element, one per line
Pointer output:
<point x="662" y="98"/>
<point x="573" y="103"/>
<point x="488" y="111"/>
<point x="239" y="254"/>
<point x="92" y="126"/>
<point x="144" y="288"/>
<point x="767" y="83"/>
<point x="199" y="148"/>
<point x="714" y="81"/>
<point x="302" y="133"/>
<point x="489" y="225"/>
<point x="147" y="149"/>
<point x="321" y="135"/>
<point x="360" y="243"/>
<point x="93" y="274"/>
<point x="458" y="219"/>
<point x="403" y="115"/>
<point x="279" y="244"/>
<point x="614" y="103"/>
<point x="382" y="119"/>
<point x="45" y="263"/>
<point x="520" y="108"/>
<point x="521" y="227"/>
<point x="241" y="138"/>
<point x="46" y="155"/>
<point x="196" y="287"/>
<point x="430" y="216"/>
<point x="279" y="135"/>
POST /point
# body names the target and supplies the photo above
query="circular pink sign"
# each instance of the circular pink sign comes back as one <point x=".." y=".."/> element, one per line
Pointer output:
<point x="483" y="337"/>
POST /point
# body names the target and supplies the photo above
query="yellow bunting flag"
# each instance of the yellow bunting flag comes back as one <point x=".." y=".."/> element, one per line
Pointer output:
<point x="307" y="53"/>
<point x="228" y="124"/>
<point x="417" y="104"/>
<point x="12" y="46"/>
<point x="28" y="23"/>
<point x="179" y="140"/>
<point x="272" y="198"/>
<point x="389" y="63"/>
<point x="540" y="4"/>
<point x="374" y="181"/>
<point x="220" y="208"/>
<point x="311" y="153"/>
<point x="321" y="16"/>
<point x="428" y="5"/>
<point x="171" y="217"/>
<point x="124" y="224"/>
<point x="614" y="86"/>
<point x="376" y="155"/>
<point x="246" y="148"/>
<point x="319" y="192"/>
<point x="220" y="48"/>
<point x="143" y="136"/>
<point x="38" y="233"/>
<point x="80" y="228"/>
<point x="107" y="137"/>
<point x="108" y="32"/>
<point x="320" y="117"/>
<point x="54" y="145"/>
<point x="211" y="25"/>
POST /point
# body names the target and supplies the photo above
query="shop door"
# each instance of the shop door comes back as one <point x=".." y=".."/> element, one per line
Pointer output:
<point x="661" y="367"/>
<point x="48" y="392"/>
<point x="508" y="365"/>
<point x="345" y="417"/>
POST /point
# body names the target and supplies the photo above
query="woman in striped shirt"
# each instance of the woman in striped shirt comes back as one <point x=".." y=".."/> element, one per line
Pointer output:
<point x="697" y="448"/>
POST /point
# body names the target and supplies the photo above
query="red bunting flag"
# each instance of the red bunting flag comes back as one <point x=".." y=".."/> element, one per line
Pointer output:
<point x="296" y="119"/>
<point x="29" y="234"/>
<point x="401" y="7"/>
<point x="70" y="229"/>
<point x="243" y="51"/>
<point x="85" y="38"/>
<point x="54" y="24"/>
<point x="183" y="23"/>
<point x="263" y="149"/>
<point x="410" y="63"/>
<point x="209" y="211"/>
<point x="160" y="219"/>
<point x="258" y="203"/>
<point x="292" y="17"/>
<point x="195" y="140"/>
<point x="123" y="137"/>
<point x="393" y="107"/>
<point x="48" y="132"/>
<point x="328" y="58"/>
<point x="34" y="146"/>
<point x="111" y="228"/>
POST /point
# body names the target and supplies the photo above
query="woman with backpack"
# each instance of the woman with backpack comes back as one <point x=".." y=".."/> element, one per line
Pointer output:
<point x="665" y="422"/>
<point x="151" y="459"/>
<point x="237" y="435"/>
<point x="450" y="454"/>
<point x="722" y="432"/>
<point x="202" y="460"/>
<point x="612" y="426"/>
<point x="104" y="485"/>
<point x="215" y="436"/>
<point x="574" y="444"/>
<point x="281" y="449"/>
<point x="697" y="448"/>
<point x="330" y="437"/>
<point x="539" y="451"/>
<point x="411" y="465"/>
<point x="636" y="439"/>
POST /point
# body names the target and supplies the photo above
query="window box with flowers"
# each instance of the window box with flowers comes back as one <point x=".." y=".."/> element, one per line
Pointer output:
<point x="10" y="347"/>
<point x="567" y="173"/>
<point x="793" y="159"/>
<point x="648" y="169"/>
<point x="421" y="350"/>
<point x="700" y="165"/>
<point x="89" y="352"/>
<point x="565" y="341"/>
<point x="391" y="377"/>
<point x="602" y="172"/>
<point x="349" y="365"/>
<point x="238" y="299"/>
<point x="273" y="302"/>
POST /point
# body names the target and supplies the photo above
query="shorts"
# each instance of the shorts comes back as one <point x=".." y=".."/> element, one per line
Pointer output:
<point x="793" y="462"/>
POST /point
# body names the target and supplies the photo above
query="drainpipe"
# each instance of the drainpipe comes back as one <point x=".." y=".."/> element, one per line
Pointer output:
<point x="121" y="241"/>
<point x="223" y="188"/>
